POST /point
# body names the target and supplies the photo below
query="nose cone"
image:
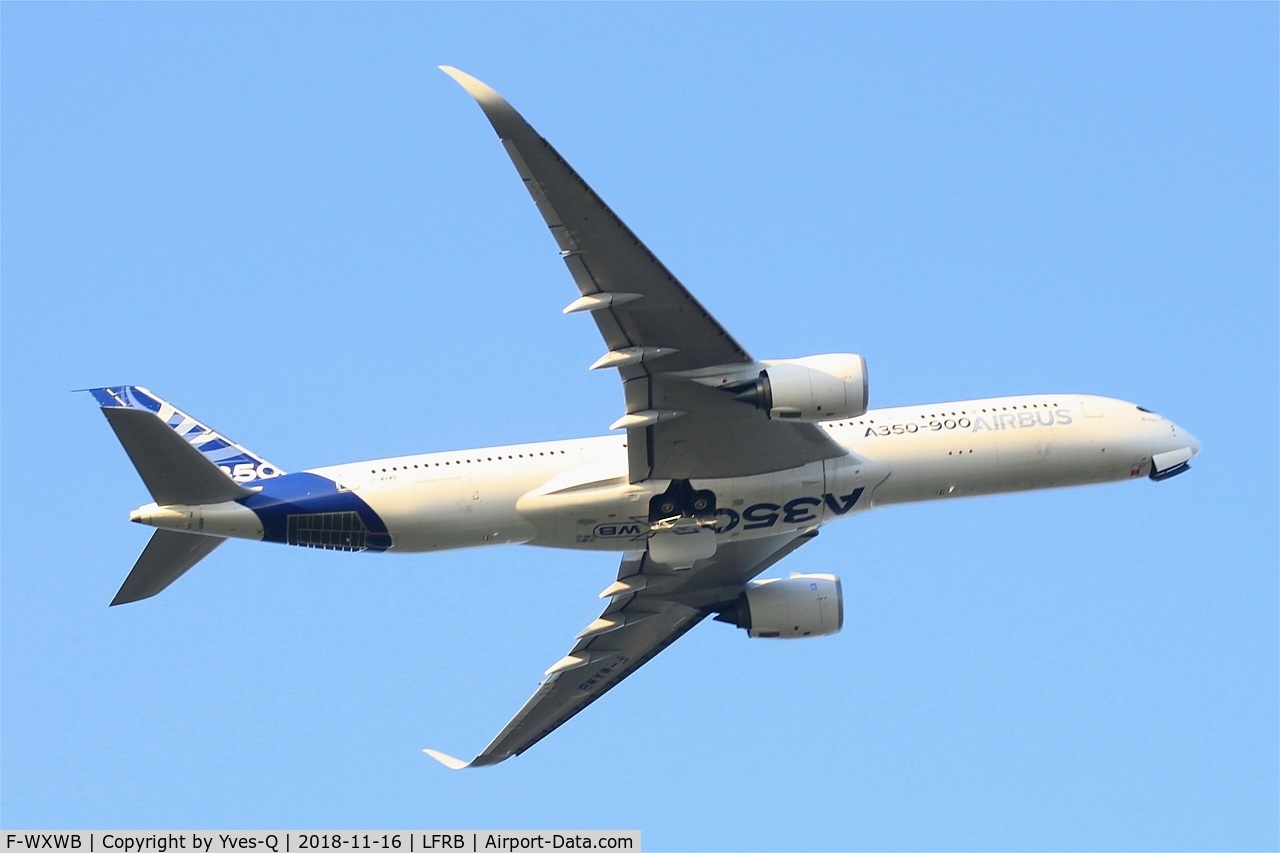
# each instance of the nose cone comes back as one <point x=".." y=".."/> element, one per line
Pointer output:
<point x="1189" y="440"/>
<point x="1193" y="441"/>
<point x="1173" y="452"/>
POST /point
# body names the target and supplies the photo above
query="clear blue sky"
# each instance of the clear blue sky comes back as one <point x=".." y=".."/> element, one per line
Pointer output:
<point x="286" y="220"/>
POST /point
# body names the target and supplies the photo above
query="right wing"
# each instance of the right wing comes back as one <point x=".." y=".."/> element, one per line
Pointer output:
<point x="650" y="607"/>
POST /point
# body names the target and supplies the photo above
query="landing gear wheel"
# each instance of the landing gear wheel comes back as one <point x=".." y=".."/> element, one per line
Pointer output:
<point x="680" y="499"/>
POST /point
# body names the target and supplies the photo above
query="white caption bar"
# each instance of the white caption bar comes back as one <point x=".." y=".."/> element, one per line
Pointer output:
<point x="303" y="841"/>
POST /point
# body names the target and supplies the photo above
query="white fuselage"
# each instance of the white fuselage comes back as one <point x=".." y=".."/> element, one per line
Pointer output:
<point x="575" y="494"/>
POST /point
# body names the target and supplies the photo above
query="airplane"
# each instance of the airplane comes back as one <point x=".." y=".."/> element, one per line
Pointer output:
<point x="721" y="465"/>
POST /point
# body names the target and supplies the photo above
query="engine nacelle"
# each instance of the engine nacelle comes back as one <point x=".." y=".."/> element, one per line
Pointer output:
<point x="789" y="608"/>
<point x="814" y="388"/>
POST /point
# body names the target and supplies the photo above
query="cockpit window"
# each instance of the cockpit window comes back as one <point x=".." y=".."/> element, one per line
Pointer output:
<point x="1148" y="411"/>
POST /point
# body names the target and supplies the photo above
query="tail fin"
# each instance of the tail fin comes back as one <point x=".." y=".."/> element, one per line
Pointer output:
<point x="239" y="463"/>
<point x="181" y="461"/>
<point x="165" y="559"/>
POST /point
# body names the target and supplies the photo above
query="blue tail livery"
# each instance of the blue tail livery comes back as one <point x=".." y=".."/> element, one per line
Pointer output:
<point x="207" y="488"/>
<point x="239" y="463"/>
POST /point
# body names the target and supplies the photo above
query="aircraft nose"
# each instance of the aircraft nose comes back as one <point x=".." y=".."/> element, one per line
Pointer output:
<point x="1173" y="452"/>
<point x="1192" y="441"/>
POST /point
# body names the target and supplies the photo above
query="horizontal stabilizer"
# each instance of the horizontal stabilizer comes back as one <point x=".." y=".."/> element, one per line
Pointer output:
<point x="173" y="471"/>
<point x="167" y="556"/>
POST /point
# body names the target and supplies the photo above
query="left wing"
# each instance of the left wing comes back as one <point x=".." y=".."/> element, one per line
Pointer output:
<point x="672" y="355"/>
<point x="650" y="607"/>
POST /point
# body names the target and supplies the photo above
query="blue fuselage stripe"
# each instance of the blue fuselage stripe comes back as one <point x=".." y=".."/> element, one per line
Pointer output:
<point x="303" y="494"/>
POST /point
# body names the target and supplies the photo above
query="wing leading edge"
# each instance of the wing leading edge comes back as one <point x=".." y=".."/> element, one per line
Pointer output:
<point x="650" y="607"/>
<point x="670" y="352"/>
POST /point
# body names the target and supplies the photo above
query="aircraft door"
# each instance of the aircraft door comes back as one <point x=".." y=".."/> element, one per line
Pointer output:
<point x="440" y="512"/>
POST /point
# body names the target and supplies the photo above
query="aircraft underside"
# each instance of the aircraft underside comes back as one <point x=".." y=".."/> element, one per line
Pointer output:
<point x="722" y="466"/>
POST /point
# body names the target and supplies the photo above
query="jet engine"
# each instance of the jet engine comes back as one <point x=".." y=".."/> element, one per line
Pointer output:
<point x="788" y="608"/>
<point x="814" y="388"/>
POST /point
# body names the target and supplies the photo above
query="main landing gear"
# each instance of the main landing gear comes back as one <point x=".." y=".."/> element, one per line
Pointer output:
<point x="682" y="500"/>
<point x="681" y="522"/>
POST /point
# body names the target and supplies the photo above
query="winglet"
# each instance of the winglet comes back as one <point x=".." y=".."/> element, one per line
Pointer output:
<point x="447" y="760"/>
<point x="508" y="123"/>
<point x="474" y="87"/>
